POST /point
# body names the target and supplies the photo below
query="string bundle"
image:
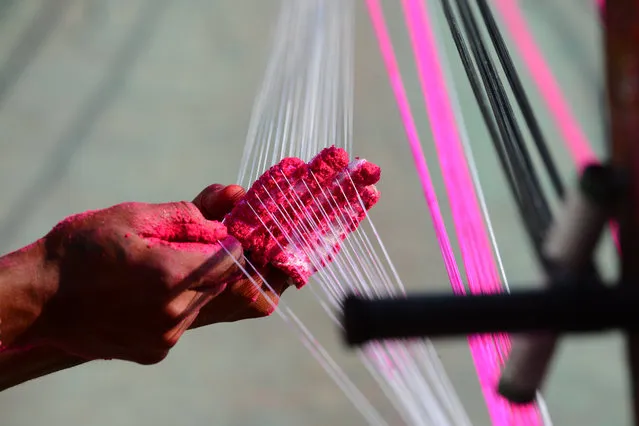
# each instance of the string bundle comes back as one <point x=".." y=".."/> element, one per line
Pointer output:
<point x="306" y="105"/>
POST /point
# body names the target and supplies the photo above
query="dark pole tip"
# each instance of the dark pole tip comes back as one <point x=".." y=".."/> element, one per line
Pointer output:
<point x="354" y="320"/>
<point x="516" y="395"/>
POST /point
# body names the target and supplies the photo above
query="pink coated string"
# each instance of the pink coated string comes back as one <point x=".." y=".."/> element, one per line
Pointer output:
<point x="397" y="85"/>
<point x="481" y="269"/>
<point x="572" y="134"/>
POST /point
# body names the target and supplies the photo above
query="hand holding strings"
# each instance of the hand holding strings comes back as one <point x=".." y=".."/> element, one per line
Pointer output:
<point x="119" y="283"/>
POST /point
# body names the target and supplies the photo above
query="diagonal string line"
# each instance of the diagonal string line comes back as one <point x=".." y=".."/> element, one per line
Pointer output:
<point x="390" y="61"/>
<point x="397" y="85"/>
<point x="304" y="107"/>
<point x="479" y="264"/>
<point x="573" y="135"/>
<point x="478" y="261"/>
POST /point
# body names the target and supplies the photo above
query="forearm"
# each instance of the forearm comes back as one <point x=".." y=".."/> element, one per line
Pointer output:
<point x="27" y="282"/>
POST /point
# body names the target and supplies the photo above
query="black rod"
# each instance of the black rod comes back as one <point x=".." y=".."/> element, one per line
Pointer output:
<point x="562" y="309"/>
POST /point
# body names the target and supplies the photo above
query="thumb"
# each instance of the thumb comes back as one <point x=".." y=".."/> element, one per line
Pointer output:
<point x="216" y="200"/>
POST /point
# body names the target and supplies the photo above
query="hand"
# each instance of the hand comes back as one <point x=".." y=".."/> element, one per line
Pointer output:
<point x="127" y="277"/>
<point x="246" y="298"/>
<point x="115" y="284"/>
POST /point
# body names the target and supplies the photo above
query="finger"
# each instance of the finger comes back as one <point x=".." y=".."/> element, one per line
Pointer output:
<point x="191" y="313"/>
<point x="179" y="222"/>
<point x="268" y="297"/>
<point x="216" y="269"/>
<point x="184" y="305"/>
<point x="188" y="306"/>
<point x="262" y="307"/>
<point x="203" y="270"/>
<point x="217" y="200"/>
<point x="205" y="193"/>
<point x="177" y="316"/>
<point x="218" y="310"/>
<point x="228" y="303"/>
<point x="245" y="299"/>
<point x="264" y="304"/>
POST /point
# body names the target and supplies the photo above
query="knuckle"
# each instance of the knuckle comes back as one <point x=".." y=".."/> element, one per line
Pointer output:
<point x="188" y="209"/>
<point x="157" y="274"/>
<point x="165" y="279"/>
<point x="154" y="276"/>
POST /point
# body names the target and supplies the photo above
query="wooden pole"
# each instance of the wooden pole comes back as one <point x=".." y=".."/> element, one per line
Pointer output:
<point x="621" y="43"/>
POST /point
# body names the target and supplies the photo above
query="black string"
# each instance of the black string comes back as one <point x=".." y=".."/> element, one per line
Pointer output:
<point x="481" y="97"/>
<point x="520" y="95"/>
<point x="510" y="147"/>
<point x="503" y="129"/>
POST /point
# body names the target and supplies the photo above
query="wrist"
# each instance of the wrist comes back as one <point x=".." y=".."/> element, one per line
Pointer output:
<point x="28" y="280"/>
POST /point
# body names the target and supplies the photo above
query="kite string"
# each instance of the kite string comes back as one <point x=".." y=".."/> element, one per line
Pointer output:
<point x="478" y="262"/>
<point x="573" y="136"/>
<point x="314" y="347"/>
<point x="470" y="158"/>
<point x="298" y="113"/>
<point x="388" y="55"/>
<point x="419" y="401"/>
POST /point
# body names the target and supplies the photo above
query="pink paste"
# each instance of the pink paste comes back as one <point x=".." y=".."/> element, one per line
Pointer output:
<point x="295" y="215"/>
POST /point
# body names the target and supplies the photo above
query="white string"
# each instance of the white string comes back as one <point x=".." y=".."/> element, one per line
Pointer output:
<point x="317" y="350"/>
<point x="419" y="388"/>
<point x="305" y="104"/>
<point x="470" y="159"/>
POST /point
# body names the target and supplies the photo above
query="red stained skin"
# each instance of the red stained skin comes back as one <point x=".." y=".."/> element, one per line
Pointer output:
<point x="180" y="229"/>
<point x="295" y="209"/>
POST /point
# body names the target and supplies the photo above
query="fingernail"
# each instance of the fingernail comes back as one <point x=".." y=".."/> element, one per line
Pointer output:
<point x="220" y="267"/>
<point x="232" y="194"/>
<point x="221" y="202"/>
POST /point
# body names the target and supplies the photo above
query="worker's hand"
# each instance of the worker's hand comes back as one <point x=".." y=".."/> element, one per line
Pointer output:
<point x="251" y="297"/>
<point x="127" y="277"/>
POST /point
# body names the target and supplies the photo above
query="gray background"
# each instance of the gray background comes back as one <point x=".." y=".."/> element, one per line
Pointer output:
<point x="107" y="101"/>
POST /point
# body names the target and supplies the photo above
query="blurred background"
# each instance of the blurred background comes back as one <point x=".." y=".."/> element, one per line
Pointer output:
<point x="104" y="101"/>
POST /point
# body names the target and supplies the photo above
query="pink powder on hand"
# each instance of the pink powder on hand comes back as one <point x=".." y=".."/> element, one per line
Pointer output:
<point x="179" y="226"/>
<point x="206" y="232"/>
<point x="295" y="215"/>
